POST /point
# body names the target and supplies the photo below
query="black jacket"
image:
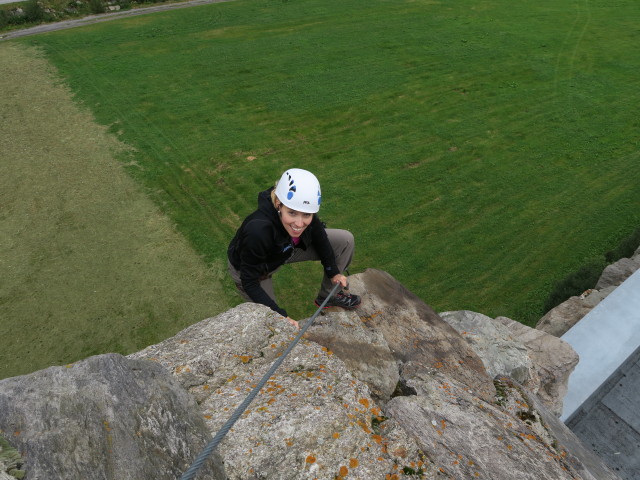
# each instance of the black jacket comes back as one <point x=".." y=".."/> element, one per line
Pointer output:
<point x="262" y="244"/>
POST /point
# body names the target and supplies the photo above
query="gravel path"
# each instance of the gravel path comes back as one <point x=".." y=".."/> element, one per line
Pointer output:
<point x="105" y="17"/>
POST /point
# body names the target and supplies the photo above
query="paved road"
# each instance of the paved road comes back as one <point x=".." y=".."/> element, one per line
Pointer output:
<point x="105" y="17"/>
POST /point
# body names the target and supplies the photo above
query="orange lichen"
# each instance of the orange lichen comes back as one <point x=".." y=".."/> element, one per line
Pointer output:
<point x="353" y="463"/>
<point x="344" y="471"/>
<point x="364" y="401"/>
<point x="336" y="435"/>
<point x="364" y="426"/>
<point x="310" y="459"/>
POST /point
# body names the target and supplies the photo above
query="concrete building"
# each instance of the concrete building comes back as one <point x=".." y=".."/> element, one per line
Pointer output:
<point x="602" y="405"/>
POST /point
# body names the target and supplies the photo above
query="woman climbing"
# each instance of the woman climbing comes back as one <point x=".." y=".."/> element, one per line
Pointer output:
<point x="285" y="229"/>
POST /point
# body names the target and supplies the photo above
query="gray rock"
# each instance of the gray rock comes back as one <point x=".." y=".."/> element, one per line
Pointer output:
<point x="552" y="361"/>
<point x="414" y="332"/>
<point x="364" y="351"/>
<point x="393" y="391"/>
<point x="106" y="417"/>
<point x="593" y="297"/>
<point x="494" y="343"/>
<point x="561" y="318"/>
<point x="533" y="358"/>
<point x="466" y="437"/>
<point x="616" y="273"/>
<point x="313" y="419"/>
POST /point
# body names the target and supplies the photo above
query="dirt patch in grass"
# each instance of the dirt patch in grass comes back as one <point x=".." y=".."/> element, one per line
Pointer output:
<point x="89" y="265"/>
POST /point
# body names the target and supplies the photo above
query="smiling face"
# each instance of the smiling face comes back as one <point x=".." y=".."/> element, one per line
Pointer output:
<point x="294" y="222"/>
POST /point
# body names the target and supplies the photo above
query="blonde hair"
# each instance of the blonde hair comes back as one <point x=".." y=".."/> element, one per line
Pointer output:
<point x="274" y="198"/>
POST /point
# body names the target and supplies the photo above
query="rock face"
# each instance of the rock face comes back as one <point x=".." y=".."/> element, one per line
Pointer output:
<point x="540" y="362"/>
<point x="616" y="273"/>
<point x="106" y="417"/>
<point x="560" y="319"/>
<point x="388" y="391"/>
<point x="552" y="359"/>
<point x="313" y="419"/>
<point x="499" y="350"/>
<point x="406" y="330"/>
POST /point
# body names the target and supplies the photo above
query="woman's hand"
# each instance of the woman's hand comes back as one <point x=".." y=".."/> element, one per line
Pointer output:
<point x="341" y="279"/>
<point x="293" y="322"/>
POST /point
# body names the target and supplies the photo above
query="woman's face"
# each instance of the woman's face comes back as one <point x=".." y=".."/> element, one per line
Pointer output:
<point x="294" y="221"/>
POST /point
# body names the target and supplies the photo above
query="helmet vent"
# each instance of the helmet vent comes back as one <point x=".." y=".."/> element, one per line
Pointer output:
<point x="292" y="187"/>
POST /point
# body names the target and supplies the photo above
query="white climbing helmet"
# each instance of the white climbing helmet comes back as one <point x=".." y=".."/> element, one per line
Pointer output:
<point x="299" y="190"/>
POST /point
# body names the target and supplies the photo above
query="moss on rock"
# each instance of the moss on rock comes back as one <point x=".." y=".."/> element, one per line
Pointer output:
<point x="10" y="460"/>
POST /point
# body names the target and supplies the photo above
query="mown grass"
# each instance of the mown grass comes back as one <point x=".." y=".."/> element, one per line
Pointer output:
<point x="479" y="150"/>
<point x="89" y="264"/>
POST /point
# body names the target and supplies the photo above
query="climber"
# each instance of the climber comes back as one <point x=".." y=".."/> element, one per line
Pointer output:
<point x="286" y="229"/>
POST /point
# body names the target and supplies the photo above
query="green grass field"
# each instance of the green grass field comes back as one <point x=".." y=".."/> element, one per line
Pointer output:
<point x="89" y="264"/>
<point x="478" y="150"/>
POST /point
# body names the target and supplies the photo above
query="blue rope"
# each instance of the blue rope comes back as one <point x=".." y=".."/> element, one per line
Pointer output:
<point x="199" y="461"/>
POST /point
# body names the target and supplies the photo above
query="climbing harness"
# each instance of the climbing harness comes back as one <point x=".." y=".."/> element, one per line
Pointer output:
<point x="199" y="461"/>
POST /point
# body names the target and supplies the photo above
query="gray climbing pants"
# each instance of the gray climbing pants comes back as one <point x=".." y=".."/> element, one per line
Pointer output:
<point x="343" y="245"/>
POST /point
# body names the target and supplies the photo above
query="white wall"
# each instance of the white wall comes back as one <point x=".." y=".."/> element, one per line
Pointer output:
<point x="603" y="339"/>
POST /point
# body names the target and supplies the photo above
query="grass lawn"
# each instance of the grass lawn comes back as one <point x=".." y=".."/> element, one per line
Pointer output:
<point x="479" y="150"/>
<point x="89" y="264"/>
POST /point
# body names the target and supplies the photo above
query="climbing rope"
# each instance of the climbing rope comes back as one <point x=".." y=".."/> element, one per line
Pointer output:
<point x="199" y="461"/>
